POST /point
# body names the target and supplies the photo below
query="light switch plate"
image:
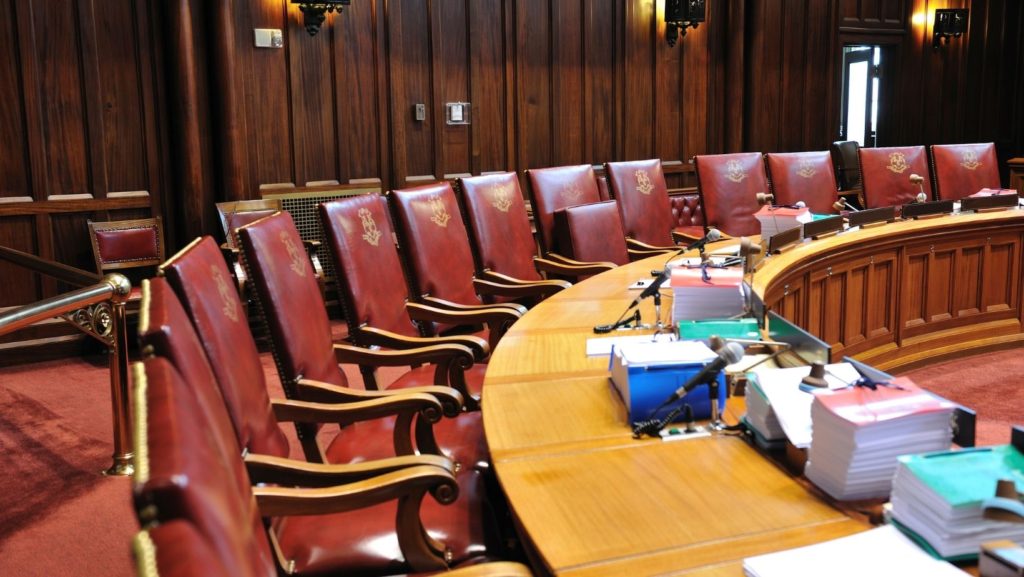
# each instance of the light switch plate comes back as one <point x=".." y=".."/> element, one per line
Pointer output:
<point x="268" y="38"/>
<point x="457" y="112"/>
<point x="420" y="112"/>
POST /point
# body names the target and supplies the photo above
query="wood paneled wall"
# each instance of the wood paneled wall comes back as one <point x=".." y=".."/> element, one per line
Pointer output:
<point x="81" y="129"/>
<point x="172" y="98"/>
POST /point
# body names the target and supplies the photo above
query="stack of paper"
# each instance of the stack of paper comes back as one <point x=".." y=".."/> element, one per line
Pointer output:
<point x="878" y="553"/>
<point x="775" y="219"/>
<point x="778" y="409"/>
<point x="938" y="497"/>
<point x="994" y="192"/>
<point x="706" y="293"/>
<point x="859" y="433"/>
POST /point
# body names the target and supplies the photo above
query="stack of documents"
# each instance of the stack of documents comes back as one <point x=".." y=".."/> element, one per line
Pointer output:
<point x="775" y="219"/>
<point x="706" y="293"/>
<point x="776" y="407"/>
<point x="879" y="552"/>
<point x="860" y="432"/>
<point x="938" y="498"/>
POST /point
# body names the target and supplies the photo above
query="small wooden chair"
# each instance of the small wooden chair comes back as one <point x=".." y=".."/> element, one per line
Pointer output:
<point x="131" y="247"/>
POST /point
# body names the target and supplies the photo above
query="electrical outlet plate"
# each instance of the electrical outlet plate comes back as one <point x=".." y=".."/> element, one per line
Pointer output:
<point x="457" y="112"/>
<point x="268" y="38"/>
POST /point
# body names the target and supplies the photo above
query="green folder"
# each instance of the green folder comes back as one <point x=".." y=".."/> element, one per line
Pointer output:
<point x="725" y="328"/>
<point x="967" y="477"/>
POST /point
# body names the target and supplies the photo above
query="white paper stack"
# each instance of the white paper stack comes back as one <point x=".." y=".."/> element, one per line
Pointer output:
<point x="858" y="433"/>
<point x="939" y="497"/>
<point x="706" y="293"/>
<point x="777" y="401"/>
<point x="775" y="219"/>
<point x="880" y="552"/>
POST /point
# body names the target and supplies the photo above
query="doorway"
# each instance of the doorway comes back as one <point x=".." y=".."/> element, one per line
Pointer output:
<point x="862" y="77"/>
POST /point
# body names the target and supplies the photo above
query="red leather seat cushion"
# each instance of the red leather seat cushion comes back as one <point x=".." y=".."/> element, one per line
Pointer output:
<point x="694" y="232"/>
<point x="364" y="542"/>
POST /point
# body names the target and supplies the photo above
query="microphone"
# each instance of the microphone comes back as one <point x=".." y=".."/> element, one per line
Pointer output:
<point x="842" y="204"/>
<point x="919" y="180"/>
<point x="713" y="235"/>
<point x="727" y="355"/>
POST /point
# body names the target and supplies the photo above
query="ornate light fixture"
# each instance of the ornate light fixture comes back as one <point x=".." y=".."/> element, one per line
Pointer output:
<point x="949" y="23"/>
<point x="316" y="12"/>
<point x="680" y="15"/>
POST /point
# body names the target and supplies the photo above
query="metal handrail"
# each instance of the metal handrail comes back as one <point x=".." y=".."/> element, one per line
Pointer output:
<point x="98" y="310"/>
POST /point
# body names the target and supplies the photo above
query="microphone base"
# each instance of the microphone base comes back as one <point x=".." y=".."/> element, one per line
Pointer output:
<point x="669" y="434"/>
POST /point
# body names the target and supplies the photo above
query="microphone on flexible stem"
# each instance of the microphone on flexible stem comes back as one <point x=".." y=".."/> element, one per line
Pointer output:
<point x="842" y="204"/>
<point x="727" y="355"/>
<point x="919" y="180"/>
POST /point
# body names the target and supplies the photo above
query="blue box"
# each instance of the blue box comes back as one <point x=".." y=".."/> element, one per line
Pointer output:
<point x="645" y="374"/>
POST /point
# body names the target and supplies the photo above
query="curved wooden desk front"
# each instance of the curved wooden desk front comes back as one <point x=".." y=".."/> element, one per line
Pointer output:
<point x="594" y="501"/>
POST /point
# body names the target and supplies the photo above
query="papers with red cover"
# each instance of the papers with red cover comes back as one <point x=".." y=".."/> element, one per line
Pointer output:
<point x="775" y="219"/>
<point x="858" y="433"/>
<point x="708" y="293"/>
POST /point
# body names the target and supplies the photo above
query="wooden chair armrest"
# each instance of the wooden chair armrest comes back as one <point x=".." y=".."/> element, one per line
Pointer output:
<point x="495" y="569"/>
<point x="442" y="304"/>
<point x="632" y="243"/>
<point x="556" y="285"/>
<point x="577" y="270"/>
<point x="408" y="486"/>
<point x="372" y="336"/>
<point x="268" y="469"/>
<point x="404" y="407"/>
<point x="450" y="360"/>
<point x="320" y="392"/>
<point x="683" y="238"/>
<point x="497" y="317"/>
<point x="544" y="288"/>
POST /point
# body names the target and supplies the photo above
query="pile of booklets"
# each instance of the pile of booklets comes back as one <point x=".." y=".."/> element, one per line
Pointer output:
<point x="938" y="498"/>
<point x="706" y="293"/>
<point x="775" y="219"/>
<point x="859" y="431"/>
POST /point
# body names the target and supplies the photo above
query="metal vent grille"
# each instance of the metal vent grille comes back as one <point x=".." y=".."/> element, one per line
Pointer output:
<point x="303" y="208"/>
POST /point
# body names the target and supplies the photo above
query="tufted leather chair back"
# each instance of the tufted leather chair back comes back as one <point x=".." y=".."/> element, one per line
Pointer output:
<point x="886" y="174"/>
<point x="687" y="215"/>
<point x="498" y="225"/>
<point x="728" y="185"/>
<point x="164" y="329"/>
<point x="289" y="301"/>
<point x="555" y="188"/>
<point x="202" y="283"/>
<point x="847" y="167"/>
<point x="803" y="176"/>
<point x="641" y="192"/>
<point x="180" y="474"/>
<point x="176" y="549"/>
<point x="593" y="232"/>
<point x="963" y="169"/>
<point x="435" y="242"/>
<point x="372" y="285"/>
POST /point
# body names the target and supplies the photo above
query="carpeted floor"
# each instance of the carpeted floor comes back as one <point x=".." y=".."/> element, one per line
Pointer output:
<point x="59" y="517"/>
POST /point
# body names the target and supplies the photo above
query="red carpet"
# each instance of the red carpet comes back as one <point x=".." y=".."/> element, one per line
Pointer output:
<point x="991" y="384"/>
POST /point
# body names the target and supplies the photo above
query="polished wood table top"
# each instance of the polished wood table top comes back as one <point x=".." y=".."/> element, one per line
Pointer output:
<point x="594" y="501"/>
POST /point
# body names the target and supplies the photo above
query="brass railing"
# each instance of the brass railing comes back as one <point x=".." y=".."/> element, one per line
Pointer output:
<point x="98" y="310"/>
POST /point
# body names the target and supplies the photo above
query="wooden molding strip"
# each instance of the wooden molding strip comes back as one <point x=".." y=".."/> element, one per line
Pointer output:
<point x="73" y="205"/>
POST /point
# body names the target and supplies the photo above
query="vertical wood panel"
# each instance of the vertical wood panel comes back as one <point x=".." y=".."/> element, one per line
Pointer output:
<point x="450" y="38"/>
<point x="14" y="160"/>
<point x="264" y="90"/>
<point x="533" y="83"/>
<point x="640" y="79"/>
<point x="410" y="81"/>
<point x="567" y="85"/>
<point x="356" y="92"/>
<point x="310" y="68"/>
<point x="599" y="101"/>
<point x="17" y="233"/>
<point x="488" y="79"/>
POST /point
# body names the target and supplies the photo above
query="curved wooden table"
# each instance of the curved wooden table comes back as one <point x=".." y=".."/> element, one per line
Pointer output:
<point x="594" y="501"/>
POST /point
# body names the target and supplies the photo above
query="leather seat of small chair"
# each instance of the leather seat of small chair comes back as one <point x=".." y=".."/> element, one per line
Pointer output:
<point x="593" y="232"/>
<point x="687" y="215"/>
<point x="885" y="174"/>
<point x="728" y="185"/>
<point x="963" y="169"/>
<point x="806" y="177"/>
<point x="552" y="189"/>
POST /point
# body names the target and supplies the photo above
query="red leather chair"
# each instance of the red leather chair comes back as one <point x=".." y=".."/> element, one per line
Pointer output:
<point x="552" y="189"/>
<point x="803" y="176"/>
<point x="963" y="169"/>
<point x="591" y="232"/>
<point x="373" y="288"/>
<point x="503" y="245"/>
<point x="687" y="215"/>
<point x="642" y="194"/>
<point x="131" y="247"/>
<point x="886" y="175"/>
<point x="845" y="161"/>
<point x="368" y="522"/>
<point x="436" y="247"/>
<point x="728" y="185"/>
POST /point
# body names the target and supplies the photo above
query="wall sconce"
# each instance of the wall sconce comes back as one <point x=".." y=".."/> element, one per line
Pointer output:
<point x="316" y="12"/>
<point x="680" y="15"/>
<point x="949" y="23"/>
